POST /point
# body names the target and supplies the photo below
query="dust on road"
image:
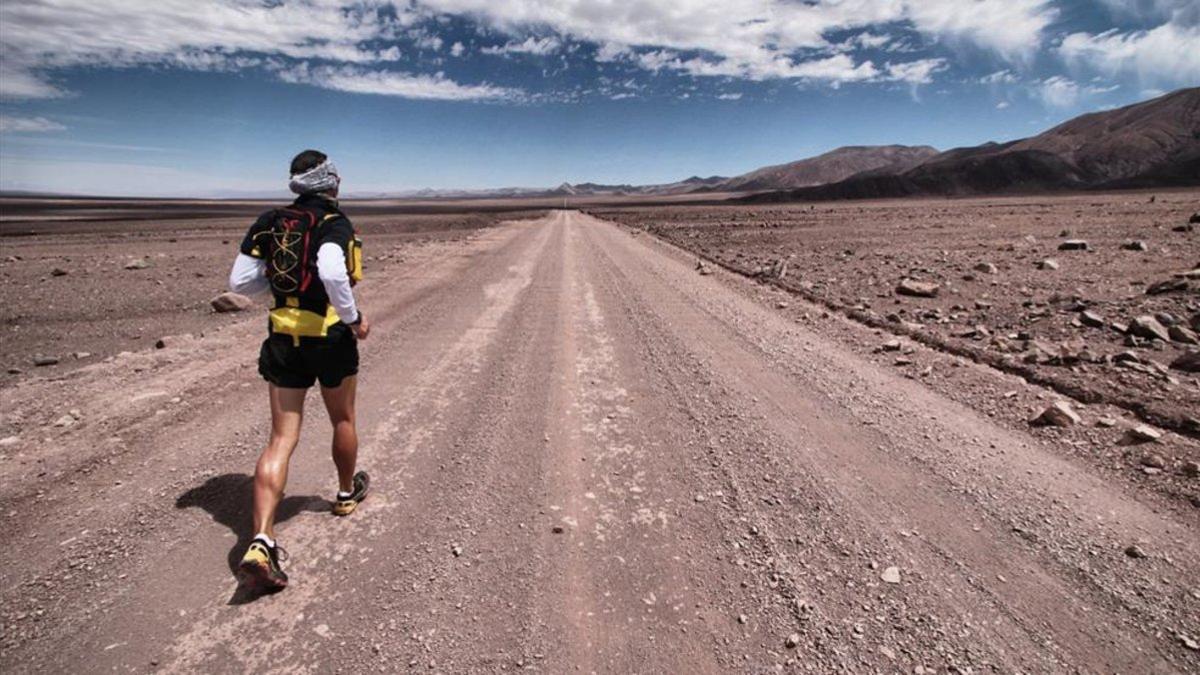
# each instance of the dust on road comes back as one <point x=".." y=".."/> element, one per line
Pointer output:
<point x="587" y="457"/>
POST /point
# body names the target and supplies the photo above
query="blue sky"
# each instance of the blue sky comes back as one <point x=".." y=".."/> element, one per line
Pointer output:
<point x="178" y="97"/>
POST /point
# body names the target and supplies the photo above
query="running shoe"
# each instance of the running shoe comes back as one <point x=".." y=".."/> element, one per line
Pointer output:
<point x="344" y="505"/>
<point x="260" y="570"/>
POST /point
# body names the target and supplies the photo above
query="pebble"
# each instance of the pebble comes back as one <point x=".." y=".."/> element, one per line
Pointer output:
<point x="1144" y="434"/>
<point x="1135" y="551"/>
<point x="891" y="575"/>
<point x="1058" y="414"/>
<point x="792" y="641"/>
<point x="45" y="360"/>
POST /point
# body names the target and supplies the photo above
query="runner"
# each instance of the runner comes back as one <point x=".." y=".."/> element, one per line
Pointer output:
<point x="308" y="256"/>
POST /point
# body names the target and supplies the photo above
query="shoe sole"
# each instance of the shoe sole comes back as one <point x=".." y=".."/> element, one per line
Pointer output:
<point x="257" y="577"/>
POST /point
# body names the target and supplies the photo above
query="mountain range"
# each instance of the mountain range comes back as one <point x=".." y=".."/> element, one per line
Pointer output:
<point x="1155" y="143"/>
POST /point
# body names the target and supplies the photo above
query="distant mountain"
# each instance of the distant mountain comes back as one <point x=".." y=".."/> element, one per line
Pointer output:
<point x="830" y="167"/>
<point x="1149" y="144"/>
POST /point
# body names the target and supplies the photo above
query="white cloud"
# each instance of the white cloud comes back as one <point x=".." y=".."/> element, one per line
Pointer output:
<point x="999" y="77"/>
<point x="533" y="45"/>
<point x="1168" y="54"/>
<point x="1058" y="91"/>
<point x="17" y="125"/>
<point x="760" y="39"/>
<point x="1002" y="105"/>
<point x="457" y="49"/>
<point x="730" y="97"/>
<point x="359" y="80"/>
<point x="915" y="72"/>
<point x="221" y="35"/>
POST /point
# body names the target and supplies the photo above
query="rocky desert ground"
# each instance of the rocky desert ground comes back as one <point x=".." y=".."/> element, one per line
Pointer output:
<point x="862" y="437"/>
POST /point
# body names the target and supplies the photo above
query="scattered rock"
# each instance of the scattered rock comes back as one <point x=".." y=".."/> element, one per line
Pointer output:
<point x="1090" y="318"/>
<point x="1135" y="245"/>
<point x="1188" y="362"/>
<point x="743" y="619"/>
<point x="1135" y="551"/>
<point x="1148" y="327"/>
<point x="1188" y="642"/>
<point x="1073" y="245"/>
<point x="457" y="551"/>
<point x="1183" y="335"/>
<point x="1167" y="286"/>
<point x="1047" y="264"/>
<point x="891" y="575"/>
<point x="58" y="272"/>
<point x="890" y="346"/>
<point x="1146" y="434"/>
<point x="172" y="340"/>
<point x="231" y="302"/>
<point x="1106" y="422"/>
<point x="40" y="360"/>
<point x="138" y="264"/>
<point x="557" y="529"/>
<point x="918" y="289"/>
<point x="703" y="268"/>
<point x="1058" y="414"/>
<point x="1191" y="469"/>
<point x="987" y="268"/>
<point x="792" y="641"/>
<point x="1195" y="218"/>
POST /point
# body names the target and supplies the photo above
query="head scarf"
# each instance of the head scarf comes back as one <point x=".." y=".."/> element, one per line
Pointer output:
<point x="320" y="178"/>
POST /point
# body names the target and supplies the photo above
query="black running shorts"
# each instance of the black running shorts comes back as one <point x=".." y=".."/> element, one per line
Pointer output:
<point x="329" y="360"/>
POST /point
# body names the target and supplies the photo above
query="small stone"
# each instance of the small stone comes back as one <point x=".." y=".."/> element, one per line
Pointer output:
<point x="1167" y="286"/>
<point x="457" y="551"/>
<point x="1189" y="469"/>
<point x="1148" y="327"/>
<point x="1135" y="551"/>
<point x="231" y="302"/>
<point x="792" y="641"/>
<point x="40" y="360"/>
<point x="1073" y="245"/>
<point x="557" y="529"/>
<point x="1135" y="245"/>
<point x="699" y="499"/>
<point x="58" y="272"/>
<point x="1183" y="335"/>
<point x="1188" y="643"/>
<point x="1188" y="362"/>
<point x="891" y="346"/>
<point x="138" y="264"/>
<point x="1090" y="318"/>
<point x="1106" y="422"/>
<point x="986" y="268"/>
<point x="1146" y="434"/>
<point x="891" y="575"/>
<point x="918" y="289"/>
<point x="9" y="440"/>
<point x="1047" y="264"/>
<point x="742" y="619"/>
<point x="1057" y="414"/>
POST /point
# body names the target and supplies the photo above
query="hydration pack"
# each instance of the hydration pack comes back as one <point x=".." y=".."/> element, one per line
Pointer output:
<point x="291" y="260"/>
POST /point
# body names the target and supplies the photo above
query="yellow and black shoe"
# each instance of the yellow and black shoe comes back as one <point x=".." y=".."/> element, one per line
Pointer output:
<point x="260" y="570"/>
<point x="345" y="504"/>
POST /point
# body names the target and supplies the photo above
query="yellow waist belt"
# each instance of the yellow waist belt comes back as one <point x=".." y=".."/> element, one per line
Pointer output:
<point x="291" y="320"/>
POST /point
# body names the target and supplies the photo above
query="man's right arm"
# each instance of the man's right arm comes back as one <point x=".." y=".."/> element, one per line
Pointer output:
<point x="249" y="273"/>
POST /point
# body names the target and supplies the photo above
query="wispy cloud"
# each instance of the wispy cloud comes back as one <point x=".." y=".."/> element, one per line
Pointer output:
<point x="532" y="45"/>
<point x="1169" y="53"/>
<point x="13" y="124"/>
<point x="391" y="83"/>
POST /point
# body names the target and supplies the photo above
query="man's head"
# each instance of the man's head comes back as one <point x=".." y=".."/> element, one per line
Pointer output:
<point x="311" y="171"/>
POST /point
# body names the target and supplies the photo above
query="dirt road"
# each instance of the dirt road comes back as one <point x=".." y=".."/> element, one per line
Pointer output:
<point x="586" y="457"/>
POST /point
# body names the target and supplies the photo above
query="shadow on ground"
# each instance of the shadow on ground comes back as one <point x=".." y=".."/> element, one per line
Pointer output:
<point x="229" y="499"/>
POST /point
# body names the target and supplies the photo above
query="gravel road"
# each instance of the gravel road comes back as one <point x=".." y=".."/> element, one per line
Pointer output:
<point x="585" y="457"/>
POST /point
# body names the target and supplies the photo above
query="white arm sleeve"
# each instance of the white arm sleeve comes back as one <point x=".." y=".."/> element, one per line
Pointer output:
<point x="248" y="275"/>
<point x="331" y="267"/>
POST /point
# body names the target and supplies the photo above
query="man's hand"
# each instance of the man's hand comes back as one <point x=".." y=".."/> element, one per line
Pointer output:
<point x="362" y="328"/>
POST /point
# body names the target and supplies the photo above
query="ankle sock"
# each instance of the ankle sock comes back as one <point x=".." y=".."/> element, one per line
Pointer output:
<point x="342" y="496"/>
<point x="265" y="539"/>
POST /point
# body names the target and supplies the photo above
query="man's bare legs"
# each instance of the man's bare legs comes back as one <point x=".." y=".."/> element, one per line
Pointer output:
<point x="270" y="476"/>
<point x="339" y="402"/>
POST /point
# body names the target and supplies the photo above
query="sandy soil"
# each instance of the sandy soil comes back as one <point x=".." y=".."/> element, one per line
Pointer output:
<point x="588" y="457"/>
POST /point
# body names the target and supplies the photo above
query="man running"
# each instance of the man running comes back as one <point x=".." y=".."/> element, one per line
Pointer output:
<point x="308" y="256"/>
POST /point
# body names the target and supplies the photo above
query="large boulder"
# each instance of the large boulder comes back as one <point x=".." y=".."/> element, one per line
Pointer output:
<point x="231" y="302"/>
